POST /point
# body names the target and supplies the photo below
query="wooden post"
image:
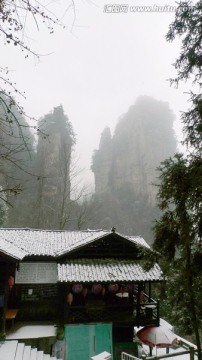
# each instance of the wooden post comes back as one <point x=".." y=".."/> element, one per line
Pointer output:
<point x="138" y="307"/>
<point x="158" y="313"/>
<point x="149" y="291"/>
<point x="2" y="320"/>
<point x="5" y="297"/>
<point x="191" y="353"/>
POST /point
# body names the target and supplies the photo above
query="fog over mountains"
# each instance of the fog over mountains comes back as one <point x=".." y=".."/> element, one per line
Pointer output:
<point x="124" y="167"/>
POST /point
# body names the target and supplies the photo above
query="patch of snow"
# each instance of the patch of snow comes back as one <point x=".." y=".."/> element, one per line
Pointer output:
<point x="33" y="332"/>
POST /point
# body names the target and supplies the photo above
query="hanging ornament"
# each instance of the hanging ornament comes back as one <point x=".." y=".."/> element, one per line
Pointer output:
<point x="96" y="288"/>
<point x="85" y="291"/>
<point x="103" y="291"/>
<point x="70" y="298"/>
<point x="11" y="281"/>
<point x="130" y="288"/>
<point x="113" y="288"/>
<point x="123" y="289"/>
<point x="77" y="288"/>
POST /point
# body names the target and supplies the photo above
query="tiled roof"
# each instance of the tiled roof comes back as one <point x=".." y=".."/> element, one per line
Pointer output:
<point x="45" y="242"/>
<point x="138" y="240"/>
<point x="12" y="250"/>
<point x="27" y="242"/>
<point x="105" y="270"/>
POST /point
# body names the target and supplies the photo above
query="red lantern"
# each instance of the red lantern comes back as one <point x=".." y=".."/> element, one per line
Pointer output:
<point x="103" y="291"/>
<point x="77" y="288"/>
<point x="113" y="288"/>
<point x="70" y="298"/>
<point x="96" y="288"/>
<point x="85" y="291"/>
<point x="11" y="281"/>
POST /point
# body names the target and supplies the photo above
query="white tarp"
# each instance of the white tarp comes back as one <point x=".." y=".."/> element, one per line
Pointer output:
<point x="102" y="356"/>
<point x="32" y="332"/>
<point x="36" y="273"/>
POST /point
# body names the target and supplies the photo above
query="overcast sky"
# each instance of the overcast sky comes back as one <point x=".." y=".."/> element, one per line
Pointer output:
<point x="98" y="66"/>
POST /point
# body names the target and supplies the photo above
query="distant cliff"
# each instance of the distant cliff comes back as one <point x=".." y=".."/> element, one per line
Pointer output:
<point x="44" y="201"/>
<point x="53" y="164"/>
<point x="125" y="165"/>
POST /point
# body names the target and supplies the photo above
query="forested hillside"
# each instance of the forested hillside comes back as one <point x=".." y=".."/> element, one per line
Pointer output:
<point x="44" y="179"/>
<point x="16" y="162"/>
<point x="53" y="161"/>
<point x="125" y="165"/>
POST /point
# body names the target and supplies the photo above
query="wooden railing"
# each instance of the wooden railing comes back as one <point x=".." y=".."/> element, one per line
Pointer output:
<point x="147" y="313"/>
<point x="139" y="314"/>
<point x="125" y="356"/>
<point x="178" y="355"/>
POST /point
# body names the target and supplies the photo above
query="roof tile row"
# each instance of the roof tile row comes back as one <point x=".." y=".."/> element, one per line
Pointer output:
<point x="106" y="270"/>
<point x="26" y="242"/>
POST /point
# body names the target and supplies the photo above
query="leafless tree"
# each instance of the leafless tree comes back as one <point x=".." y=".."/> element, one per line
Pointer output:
<point x="14" y="17"/>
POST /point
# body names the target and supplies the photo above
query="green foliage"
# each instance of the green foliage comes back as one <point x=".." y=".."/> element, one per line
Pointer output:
<point x="57" y="121"/>
<point x="2" y="213"/>
<point x="179" y="196"/>
<point x="2" y="337"/>
<point x="178" y="233"/>
<point x="187" y="25"/>
<point x="178" y="238"/>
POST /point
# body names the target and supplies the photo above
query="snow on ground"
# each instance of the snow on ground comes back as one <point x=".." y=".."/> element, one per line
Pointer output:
<point x="40" y="331"/>
<point x="162" y="351"/>
<point x="174" y="350"/>
<point x="32" y="332"/>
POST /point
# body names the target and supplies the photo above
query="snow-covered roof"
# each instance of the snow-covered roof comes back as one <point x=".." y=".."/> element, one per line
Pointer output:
<point x="20" y="243"/>
<point x="26" y="242"/>
<point x="107" y="270"/>
<point x="11" y="249"/>
<point x="138" y="240"/>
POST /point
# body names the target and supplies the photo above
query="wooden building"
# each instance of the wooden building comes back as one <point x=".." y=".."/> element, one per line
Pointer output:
<point x="91" y="279"/>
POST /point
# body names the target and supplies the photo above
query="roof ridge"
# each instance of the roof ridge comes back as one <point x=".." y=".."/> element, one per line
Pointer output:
<point x="57" y="243"/>
<point x="53" y="230"/>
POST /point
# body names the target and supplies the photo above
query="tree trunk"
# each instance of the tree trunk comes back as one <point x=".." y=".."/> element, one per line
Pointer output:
<point x="193" y="312"/>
